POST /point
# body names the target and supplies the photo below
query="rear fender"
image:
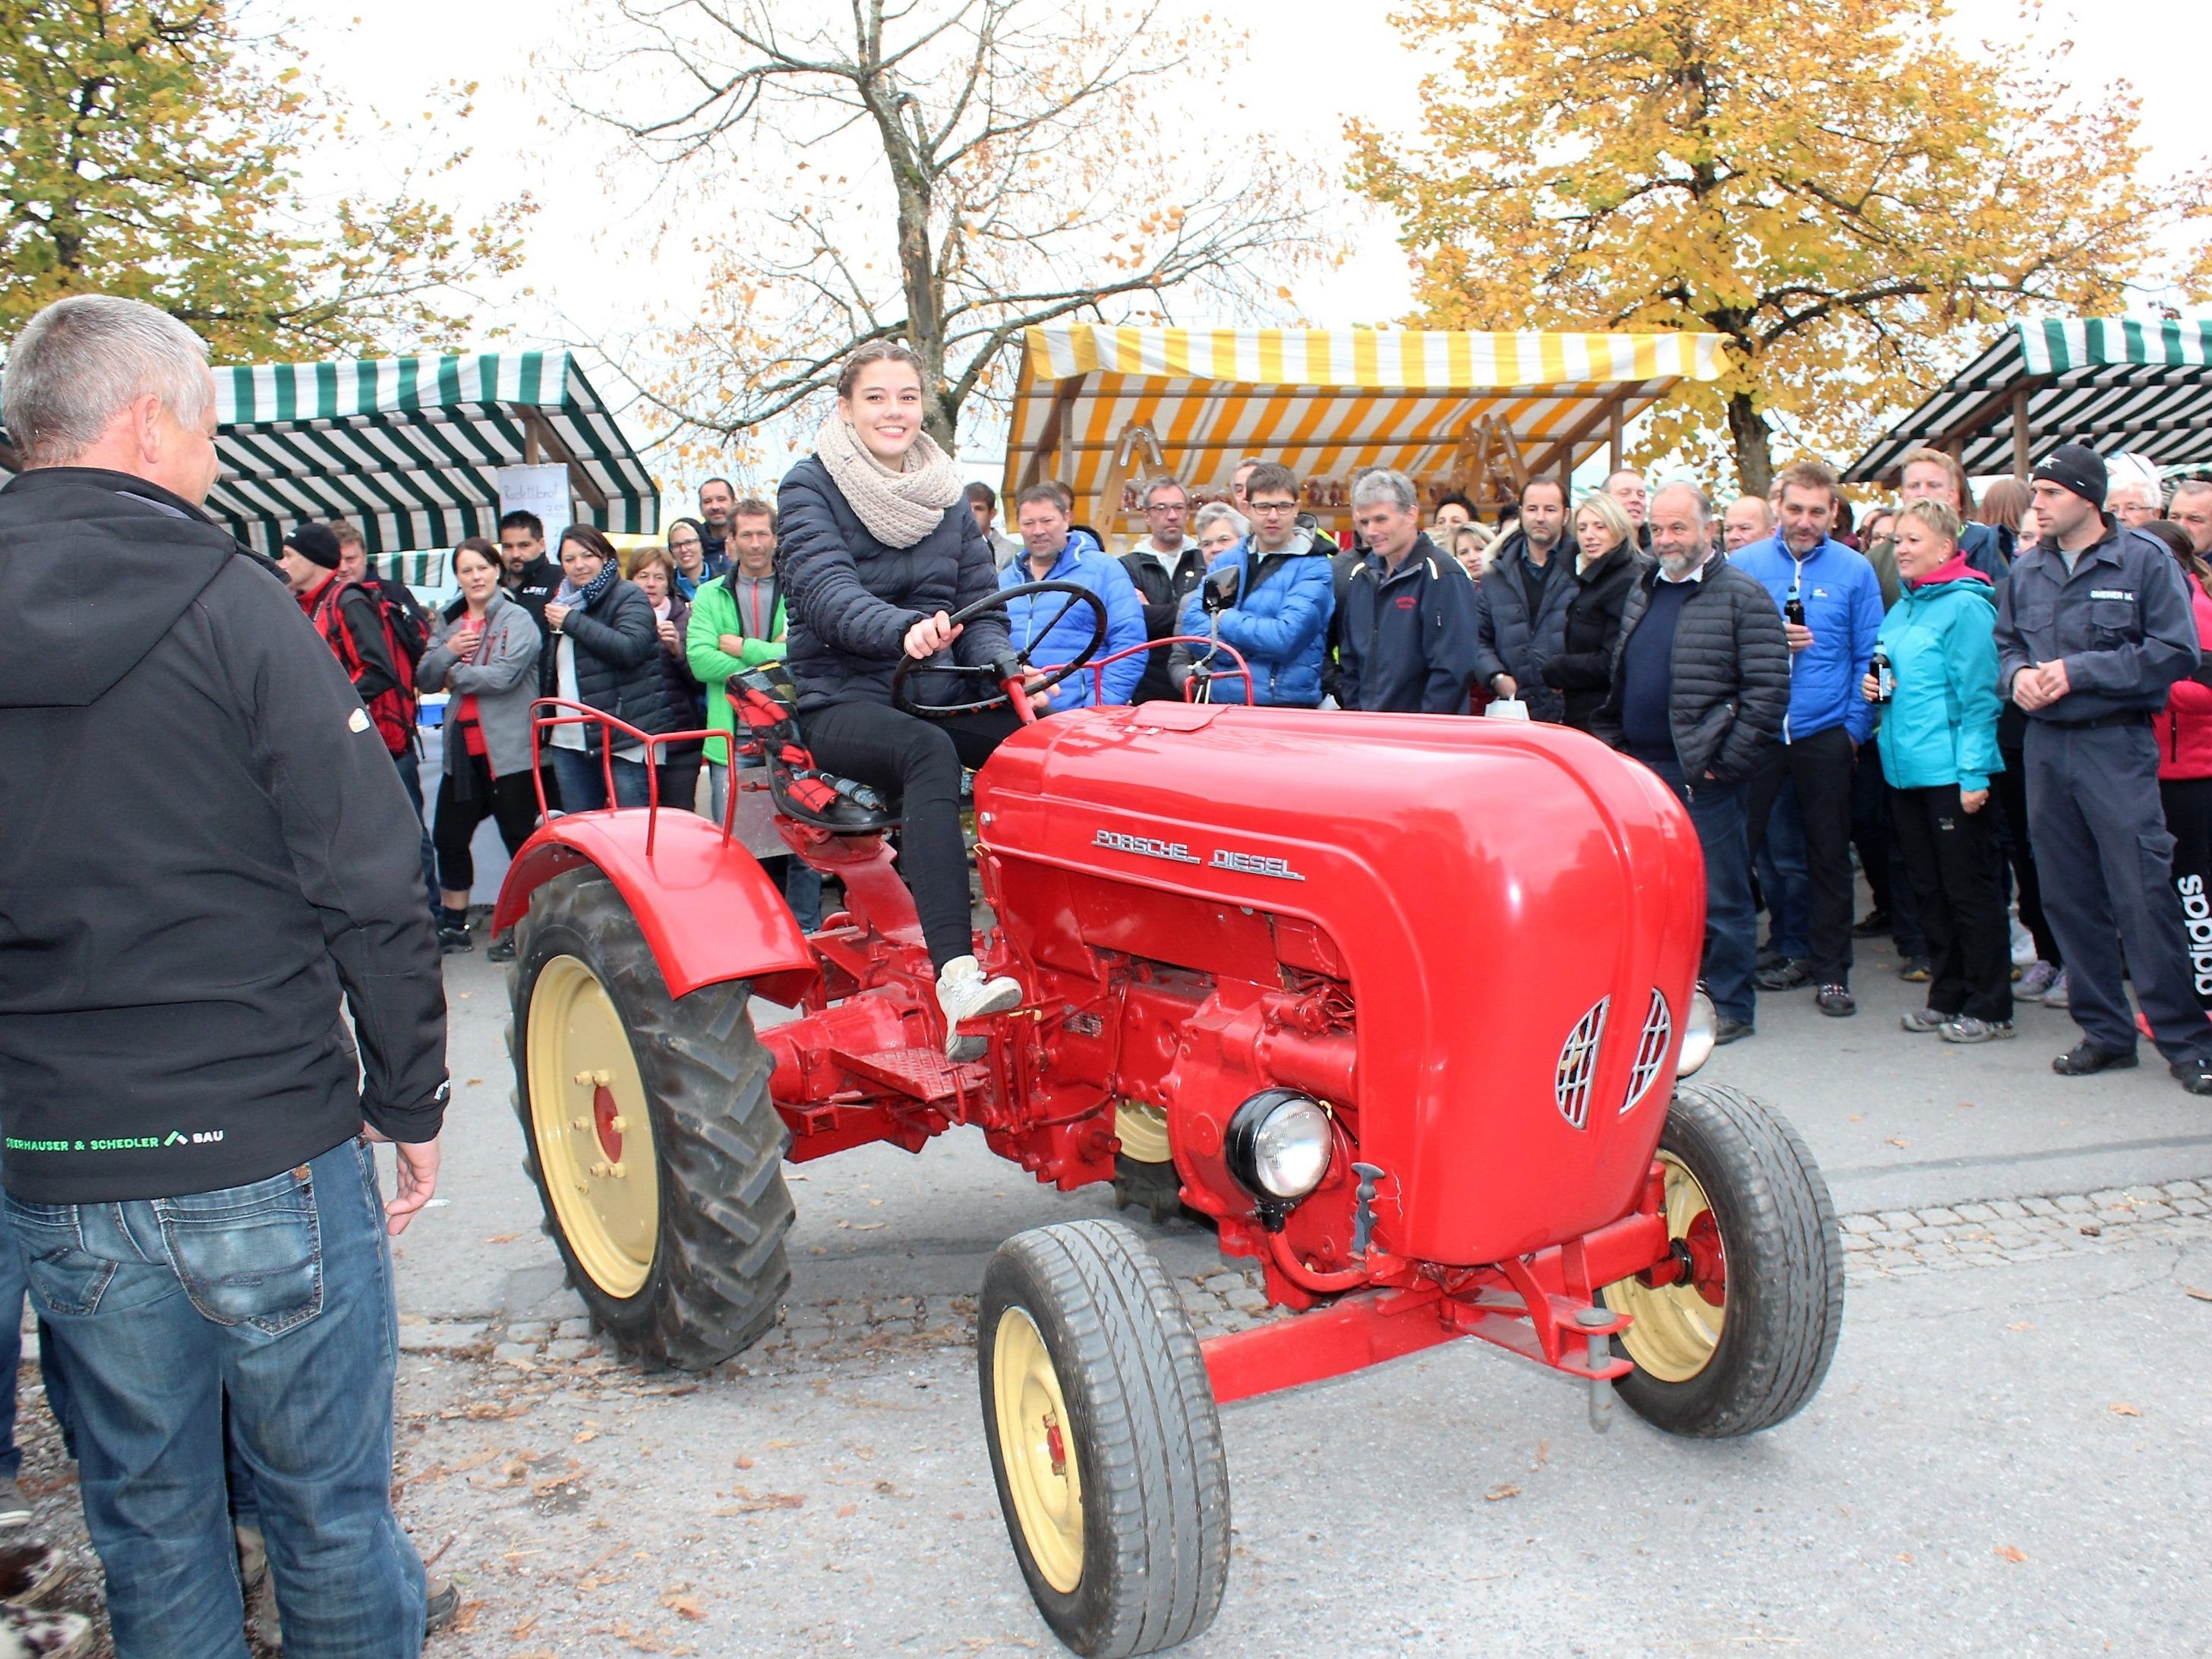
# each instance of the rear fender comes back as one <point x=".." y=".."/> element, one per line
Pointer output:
<point x="708" y="909"/>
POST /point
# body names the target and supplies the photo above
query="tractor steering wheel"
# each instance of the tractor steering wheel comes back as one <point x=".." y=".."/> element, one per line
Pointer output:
<point x="1008" y="669"/>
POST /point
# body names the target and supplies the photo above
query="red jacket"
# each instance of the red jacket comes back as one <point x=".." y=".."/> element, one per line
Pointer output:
<point x="2185" y="725"/>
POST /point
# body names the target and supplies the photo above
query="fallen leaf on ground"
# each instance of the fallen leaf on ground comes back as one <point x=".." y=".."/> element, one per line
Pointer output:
<point x="582" y="1435"/>
<point x="2198" y="1292"/>
<point x="2091" y="1230"/>
<point x="748" y="1504"/>
<point x="1907" y="1558"/>
<point x="1898" y="1141"/>
<point x="862" y="1226"/>
<point x="743" y="1463"/>
<point x="1506" y="1490"/>
<point x="885" y="1487"/>
<point x="2006" y="1552"/>
<point x="1855" y="1117"/>
<point x="847" y="1512"/>
<point x="502" y="1238"/>
<point x="2022" y="1325"/>
<point x="685" y="1606"/>
<point x="2121" y="1408"/>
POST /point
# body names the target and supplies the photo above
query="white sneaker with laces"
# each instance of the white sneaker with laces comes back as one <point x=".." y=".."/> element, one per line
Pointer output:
<point x="2034" y="980"/>
<point x="963" y="994"/>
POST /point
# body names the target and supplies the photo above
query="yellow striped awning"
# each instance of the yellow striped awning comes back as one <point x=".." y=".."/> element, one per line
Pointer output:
<point x="1099" y="408"/>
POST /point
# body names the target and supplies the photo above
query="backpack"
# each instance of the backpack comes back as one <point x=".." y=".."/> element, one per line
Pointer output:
<point x="394" y="710"/>
<point x="404" y="625"/>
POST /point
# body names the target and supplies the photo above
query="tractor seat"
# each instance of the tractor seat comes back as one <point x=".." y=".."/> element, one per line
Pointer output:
<point x="766" y="703"/>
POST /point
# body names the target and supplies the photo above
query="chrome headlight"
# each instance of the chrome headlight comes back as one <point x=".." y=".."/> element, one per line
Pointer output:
<point x="1279" y="1145"/>
<point x="1698" y="1033"/>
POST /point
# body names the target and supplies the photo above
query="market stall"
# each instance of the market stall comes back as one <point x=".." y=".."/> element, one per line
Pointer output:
<point x="1099" y="409"/>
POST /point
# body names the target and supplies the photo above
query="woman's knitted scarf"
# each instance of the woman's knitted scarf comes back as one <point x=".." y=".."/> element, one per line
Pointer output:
<point x="899" y="508"/>
<point x="586" y="596"/>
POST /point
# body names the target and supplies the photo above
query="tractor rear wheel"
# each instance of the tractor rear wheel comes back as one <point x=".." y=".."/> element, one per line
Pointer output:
<point x="1104" y="1439"/>
<point x="648" y="1128"/>
<point x="1743" y="1339"/>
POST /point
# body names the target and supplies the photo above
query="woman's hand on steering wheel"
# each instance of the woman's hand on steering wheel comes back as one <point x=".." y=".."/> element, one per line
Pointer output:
<point x="931" y="636"/>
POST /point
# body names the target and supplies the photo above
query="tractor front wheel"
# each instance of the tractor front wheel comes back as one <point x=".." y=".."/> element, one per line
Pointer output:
<point x="1742" y="1336"/>
<point x="648" y="1128"/>
<point x="1104" y="1439"/>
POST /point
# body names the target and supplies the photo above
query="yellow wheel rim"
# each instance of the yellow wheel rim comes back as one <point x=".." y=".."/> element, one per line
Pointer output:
<point x="1036" y="1444"/>
<point x="1677" y="1326"/>
<point x="1143" y="1131"/>
<point x="587" y="1113"/>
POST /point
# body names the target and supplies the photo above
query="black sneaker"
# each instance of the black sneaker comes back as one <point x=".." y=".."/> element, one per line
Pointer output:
<point x="451" y="939"/>
<point x="1770" y="957"/>
<point x="1786" y="975"/>
<point x="1836" y="1001"/>
<point x="2194" y="1075"/>
<point x="503" y="949"/>
<point x="2086" y="1059"/>
<point x="1917" y="971"/>
<point x="1727" y="1031"/>
<point x="1872" y="925"/>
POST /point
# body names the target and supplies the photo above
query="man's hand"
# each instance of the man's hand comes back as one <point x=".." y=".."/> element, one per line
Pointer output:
<point x="1870" y="689"/>
<point x="1504" y="686"/>
<point x="1972" y="800"/>
<point x="416" y="1167"/>
<point x="731" y="645"/>
<point x="1039" y="701"/>
<point x="2055" y="680"/>
<point x="1797" y="634"/>
<point x="930" y="635"/>
<point x="2040" y="687"/>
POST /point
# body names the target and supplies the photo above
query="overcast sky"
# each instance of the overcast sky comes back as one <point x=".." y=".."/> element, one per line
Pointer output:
<point x="1310" y="64"/>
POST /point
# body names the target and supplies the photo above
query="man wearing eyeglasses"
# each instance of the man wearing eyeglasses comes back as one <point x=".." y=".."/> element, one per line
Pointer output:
<point x="1270" y="596"/>
<point x="1165" y="566"/>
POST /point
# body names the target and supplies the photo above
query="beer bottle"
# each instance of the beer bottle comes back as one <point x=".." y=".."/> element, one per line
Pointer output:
<point x="1885" y="678"/>
<point x="1793" y="608"/>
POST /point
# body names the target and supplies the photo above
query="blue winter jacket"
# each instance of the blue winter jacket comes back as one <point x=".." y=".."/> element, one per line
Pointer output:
<point x="1279" y="621"/>
<point x="1052" y="628"/>
<point x="1940" y="724"/>
<point x="1842" y="607"/>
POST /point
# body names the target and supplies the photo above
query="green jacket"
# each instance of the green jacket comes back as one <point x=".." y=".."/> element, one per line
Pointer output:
<point x="714" y="613"/>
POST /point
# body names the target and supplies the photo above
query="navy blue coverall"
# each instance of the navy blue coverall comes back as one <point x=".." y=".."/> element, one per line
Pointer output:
<point x="2121" y="622"/>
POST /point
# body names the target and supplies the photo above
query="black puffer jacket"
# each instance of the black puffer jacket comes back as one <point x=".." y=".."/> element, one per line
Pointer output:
<point x="618" y="661"/>
<point x="851" y="598"/>
<point x="1582" y="669"/>
<point x="1730" y="668"/>
<point x="686" y="713"/>
<point x="1511" y="641"/>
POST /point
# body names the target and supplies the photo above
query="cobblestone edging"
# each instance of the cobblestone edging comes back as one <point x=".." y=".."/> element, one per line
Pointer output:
<point x="1886" y="1244"/>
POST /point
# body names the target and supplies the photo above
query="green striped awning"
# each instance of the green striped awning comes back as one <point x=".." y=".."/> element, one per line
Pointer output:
<point x="2112" y="383"/>
<point x="410" y="448"/>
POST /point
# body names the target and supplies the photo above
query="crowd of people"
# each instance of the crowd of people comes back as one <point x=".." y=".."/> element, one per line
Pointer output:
<point x="1982" y="705"/>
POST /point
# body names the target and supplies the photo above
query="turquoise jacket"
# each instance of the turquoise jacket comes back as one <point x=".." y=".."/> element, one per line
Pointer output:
<point x="1941" y="724"/>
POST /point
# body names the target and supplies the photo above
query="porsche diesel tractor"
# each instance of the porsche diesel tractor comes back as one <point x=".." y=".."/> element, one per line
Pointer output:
<point x="1403" y="1004"/>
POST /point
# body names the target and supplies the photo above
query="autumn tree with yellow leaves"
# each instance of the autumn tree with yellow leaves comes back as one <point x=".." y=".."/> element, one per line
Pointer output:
<point x="148" y="149"/>
<point x="1844" y="193"/>
<point x="948" y="173"/>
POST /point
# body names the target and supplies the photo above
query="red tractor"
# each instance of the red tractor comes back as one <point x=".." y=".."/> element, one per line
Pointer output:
<point x="1400" y="1002"/>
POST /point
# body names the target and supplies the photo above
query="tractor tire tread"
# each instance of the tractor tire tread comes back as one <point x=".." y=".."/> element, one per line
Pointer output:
<point x="720" y="1271"/>
<point x="1786" y="1301"/>
<point x="1156" y="1477"/>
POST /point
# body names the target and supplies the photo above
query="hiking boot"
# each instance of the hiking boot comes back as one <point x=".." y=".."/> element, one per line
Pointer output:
<point x="2056" y="996"/>
<point x="2036" y="980"/>
<point x="2194" y="1075"/>
<point x="2086" y="1059"/>
<point x="963" y="994"/>
<point x="1785" y="976"/>
<point x="1924" y="1019"/>
<point x="1872" y="925"/>
<point x="452" y="939"/>
<point x="29" y="1569"/>
<point x="35" y="1635"/>
<point x="1966" y="1029"/>
<point x="1916" y="971"/>
<point x="1836" y="1001"/>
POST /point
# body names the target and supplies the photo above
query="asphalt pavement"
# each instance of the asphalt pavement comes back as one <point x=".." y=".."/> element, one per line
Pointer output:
<point x="2007" y="1455"/>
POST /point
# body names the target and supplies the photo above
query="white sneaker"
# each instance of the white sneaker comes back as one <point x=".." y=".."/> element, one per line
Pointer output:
<point x="2056" y="996"/>
<point x="2034" y="982"/>
<point x="2023" y="944"/>
<point x="963" y="994"/>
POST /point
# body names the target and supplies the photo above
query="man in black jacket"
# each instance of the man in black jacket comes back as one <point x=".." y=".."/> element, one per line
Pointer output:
<point x="1165" y="566"/>
<point x="1408" y="642"/>
<point x="207" y="853"/>
<point x="1521" y="609"/>
<point x="1700" y="685"/>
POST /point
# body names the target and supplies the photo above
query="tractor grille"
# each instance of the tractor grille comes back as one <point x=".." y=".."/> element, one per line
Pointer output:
<point x="1650" y="1050"/>
<point x="1578" y="1064"/>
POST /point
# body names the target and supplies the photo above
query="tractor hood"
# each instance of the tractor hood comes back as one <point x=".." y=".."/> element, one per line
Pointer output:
<point x="1518" y="910"/>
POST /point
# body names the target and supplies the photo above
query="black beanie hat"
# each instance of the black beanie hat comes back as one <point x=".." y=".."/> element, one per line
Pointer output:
<point x="315" y="543"/>
<point x="2076" y="467"/>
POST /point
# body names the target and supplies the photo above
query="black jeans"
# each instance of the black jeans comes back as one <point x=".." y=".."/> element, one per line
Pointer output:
<point x="2188" y="803"/>
<point x="2010" y="786"/>
<point x="1820" y="766"/>
<point x="511" y="801"/>
<point x="918" y="761"/>
<point x="1954" y="869"/>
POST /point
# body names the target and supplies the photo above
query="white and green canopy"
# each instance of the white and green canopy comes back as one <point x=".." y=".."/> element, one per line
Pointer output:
<point x="410" y="448"/>
<point x="2112" y="383"/>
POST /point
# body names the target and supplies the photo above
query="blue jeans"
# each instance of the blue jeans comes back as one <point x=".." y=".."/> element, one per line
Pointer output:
<point x="277" y="1296"/>
<point x="584" y="781"/>
<point x="411" y="779"/>
<point x="802" y="882"/>
<point x="1718" y="811"/>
